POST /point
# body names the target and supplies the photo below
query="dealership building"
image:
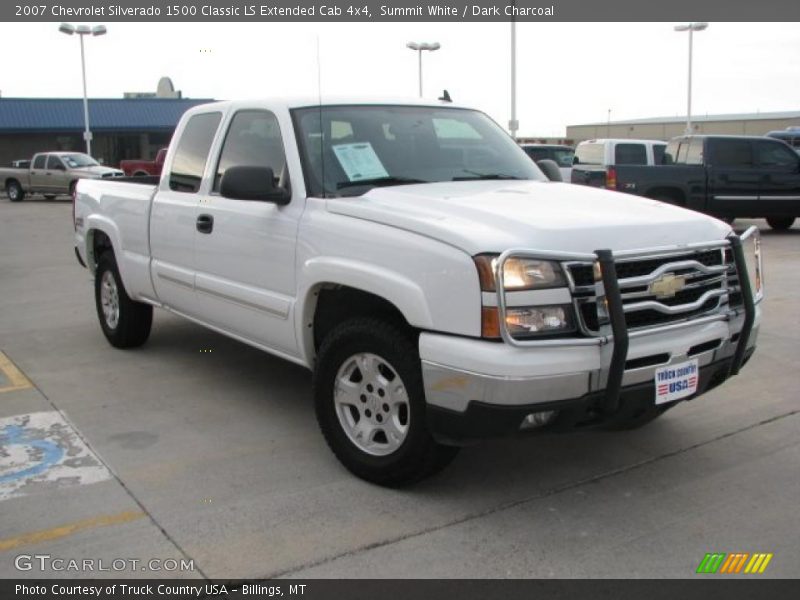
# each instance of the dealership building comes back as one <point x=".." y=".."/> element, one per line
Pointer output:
<point x="665" y="128"/>
<point x="135" y="126"/>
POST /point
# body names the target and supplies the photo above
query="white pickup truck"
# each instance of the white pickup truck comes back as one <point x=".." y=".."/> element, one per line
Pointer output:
<point x="439" y="286"/>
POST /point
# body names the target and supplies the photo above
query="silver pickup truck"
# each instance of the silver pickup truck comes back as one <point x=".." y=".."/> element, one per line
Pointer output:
<point x="53" y="173"/>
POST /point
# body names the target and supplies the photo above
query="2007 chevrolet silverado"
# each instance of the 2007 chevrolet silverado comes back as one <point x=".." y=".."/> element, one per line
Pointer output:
<point x="441" y="289"/>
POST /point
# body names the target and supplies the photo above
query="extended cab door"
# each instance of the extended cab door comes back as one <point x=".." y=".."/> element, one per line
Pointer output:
<point x="174" y="212"/>
<point x="38" y="173"/>
<point x="245" y="256"/>
<point x="733" y="179"/>
<point x="779" y="191"/>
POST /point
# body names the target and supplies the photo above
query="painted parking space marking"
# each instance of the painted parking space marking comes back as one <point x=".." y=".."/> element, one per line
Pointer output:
<point x="61" y="531"/>
<point x="41" y="451"/>
<point x="12" y="378"/>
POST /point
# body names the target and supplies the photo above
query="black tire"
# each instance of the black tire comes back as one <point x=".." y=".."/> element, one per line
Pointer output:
<point x="637" y="419"/>
<point x="419" y="455"/>
<point x="131" y="327"/>
<point x="14" y="191"/>
<point x="780" y="223"/>
<point x="49" y="196"/>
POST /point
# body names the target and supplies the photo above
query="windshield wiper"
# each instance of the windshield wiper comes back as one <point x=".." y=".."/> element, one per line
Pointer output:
<point x="379" y="181"/>
<point x="476" y="176"/>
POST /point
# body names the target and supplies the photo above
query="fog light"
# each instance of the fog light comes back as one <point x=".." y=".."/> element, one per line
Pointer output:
<point x="538" y="419"/>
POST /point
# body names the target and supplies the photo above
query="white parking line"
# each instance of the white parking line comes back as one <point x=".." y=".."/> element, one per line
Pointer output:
<point x="41" y="450"/>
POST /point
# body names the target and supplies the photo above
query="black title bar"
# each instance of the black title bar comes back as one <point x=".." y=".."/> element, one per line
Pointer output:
<point x="404" y="10"/>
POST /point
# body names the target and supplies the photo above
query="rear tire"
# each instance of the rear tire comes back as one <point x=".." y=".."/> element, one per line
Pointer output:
<point x="370" y="403"/>
<point x="125" y="322"/>
<point x="15" y="192"/>
<point x="780" y="223"/>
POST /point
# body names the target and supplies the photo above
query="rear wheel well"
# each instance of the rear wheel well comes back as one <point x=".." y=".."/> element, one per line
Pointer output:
<point x="337" y="303"/>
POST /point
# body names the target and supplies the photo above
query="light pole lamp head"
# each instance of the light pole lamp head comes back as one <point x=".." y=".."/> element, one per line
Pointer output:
<point x="66" y="28"/>
<point x="413" y="45"/>
<point x="99" y="30"/>
<point x="424" y="46"/>
<point x="692" y="27"/>
<point x="83" y="30"/>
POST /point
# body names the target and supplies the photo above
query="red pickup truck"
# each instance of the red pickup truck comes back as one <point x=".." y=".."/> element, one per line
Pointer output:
<point x="134" y="168"/>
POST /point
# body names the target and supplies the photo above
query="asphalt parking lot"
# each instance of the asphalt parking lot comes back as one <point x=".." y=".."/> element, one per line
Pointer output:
<point x="199" y="449"/>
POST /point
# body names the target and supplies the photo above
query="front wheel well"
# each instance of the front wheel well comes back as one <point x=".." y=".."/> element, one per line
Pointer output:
<point x="100" y="243"/>
<point x="338" y="303"/>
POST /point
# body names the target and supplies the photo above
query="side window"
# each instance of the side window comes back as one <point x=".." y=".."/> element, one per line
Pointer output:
<point x="53" y="162"/>
<point x="732" y="153"/>
<point x="253" y="139"/>
<point x="683" y="152"/>
<point x="630" y="154"/>
<point x="38" y="162"/>
<point x="192" y="152"/>
<point x="775" y="156"/>
<point x="694" y="155"/>
<point x="658" y="154"/>
<point x="671" y="153"/>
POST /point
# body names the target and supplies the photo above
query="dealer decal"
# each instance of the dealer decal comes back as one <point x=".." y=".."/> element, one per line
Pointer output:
<point x="676" y="381"/>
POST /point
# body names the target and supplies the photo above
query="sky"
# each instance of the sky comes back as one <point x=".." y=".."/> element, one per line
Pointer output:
<point x="567" y="73"/>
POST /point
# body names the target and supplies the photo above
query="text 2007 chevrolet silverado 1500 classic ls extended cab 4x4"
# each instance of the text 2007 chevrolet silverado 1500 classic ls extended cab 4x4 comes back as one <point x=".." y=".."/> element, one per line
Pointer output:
<point x="439" y="286"/>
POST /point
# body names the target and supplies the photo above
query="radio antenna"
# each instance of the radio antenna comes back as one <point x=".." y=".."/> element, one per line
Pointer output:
<point x="321" y="129"/>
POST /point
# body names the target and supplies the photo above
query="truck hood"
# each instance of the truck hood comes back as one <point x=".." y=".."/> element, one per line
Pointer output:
<point x="97" y="171"/>
<point x="492" y="216"/>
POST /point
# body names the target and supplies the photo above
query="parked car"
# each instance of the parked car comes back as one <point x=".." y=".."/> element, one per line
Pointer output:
<point x="139" y="168"/>
<point x="439" y="287"/>
<point x="595" y="160"/>
<point x="51" y="174"/>
<point x="790" y="135"/>
<point x="561" y="155"/>
<point x="724" y="176"/>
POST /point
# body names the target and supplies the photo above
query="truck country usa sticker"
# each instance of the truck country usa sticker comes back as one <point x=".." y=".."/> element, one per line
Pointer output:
<point x="676" y="381"/>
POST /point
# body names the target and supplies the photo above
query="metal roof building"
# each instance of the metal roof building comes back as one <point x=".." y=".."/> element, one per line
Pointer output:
<point x="665" y="128"/>
<point x="121" y="127"/>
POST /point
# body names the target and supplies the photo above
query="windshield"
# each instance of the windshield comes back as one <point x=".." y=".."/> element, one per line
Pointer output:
<point x="76" y="161"/>
<point x="347" y="150"/>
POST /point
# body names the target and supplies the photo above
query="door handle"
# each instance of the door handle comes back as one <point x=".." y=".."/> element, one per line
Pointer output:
<point x="205" y="223"/>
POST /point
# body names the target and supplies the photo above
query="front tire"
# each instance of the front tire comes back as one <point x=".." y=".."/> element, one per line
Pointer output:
<point x="14" y="191"/>
<point x="780" y="223"/>
<point x="125" y="322"/>
<point x="370" y="404"/>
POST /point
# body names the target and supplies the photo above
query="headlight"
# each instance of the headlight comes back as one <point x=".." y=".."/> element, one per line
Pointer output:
<point x="529" y="321"/>
<point x="520" y="273"/>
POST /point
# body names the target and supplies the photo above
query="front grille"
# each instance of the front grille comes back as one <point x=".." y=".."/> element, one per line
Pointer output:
<point x="696" y="281"/>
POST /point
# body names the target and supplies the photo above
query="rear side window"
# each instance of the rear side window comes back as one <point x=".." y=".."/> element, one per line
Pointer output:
<point x="658" y="154"/>
<point x="732" y="153"/>
<point x="774" y="155"/>
<point x="630" y="154"/>
<point x="590" y="154"/>
<point x="253" y="139"/>
<point x="192" y="152"/>
<point x="671" y="153"/>
<point x="38" y="162"/>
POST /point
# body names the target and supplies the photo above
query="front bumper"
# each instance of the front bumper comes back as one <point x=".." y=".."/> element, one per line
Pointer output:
<point x="476" y="388"/>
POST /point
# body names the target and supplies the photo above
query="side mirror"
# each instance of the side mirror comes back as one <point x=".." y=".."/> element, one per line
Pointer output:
<point x="252" y="183"/>
<point x="576" y="160"/>
<point x="550" y="168"/>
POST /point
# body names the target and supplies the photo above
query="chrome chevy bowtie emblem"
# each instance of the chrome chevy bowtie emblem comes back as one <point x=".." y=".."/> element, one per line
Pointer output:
<point x="667" y="285"/>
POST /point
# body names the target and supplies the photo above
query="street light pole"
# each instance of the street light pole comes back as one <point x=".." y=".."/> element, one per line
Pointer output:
<point x="691" y="28"/>
<point x="83" y="30"/>
<point x="418" y="48"/>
